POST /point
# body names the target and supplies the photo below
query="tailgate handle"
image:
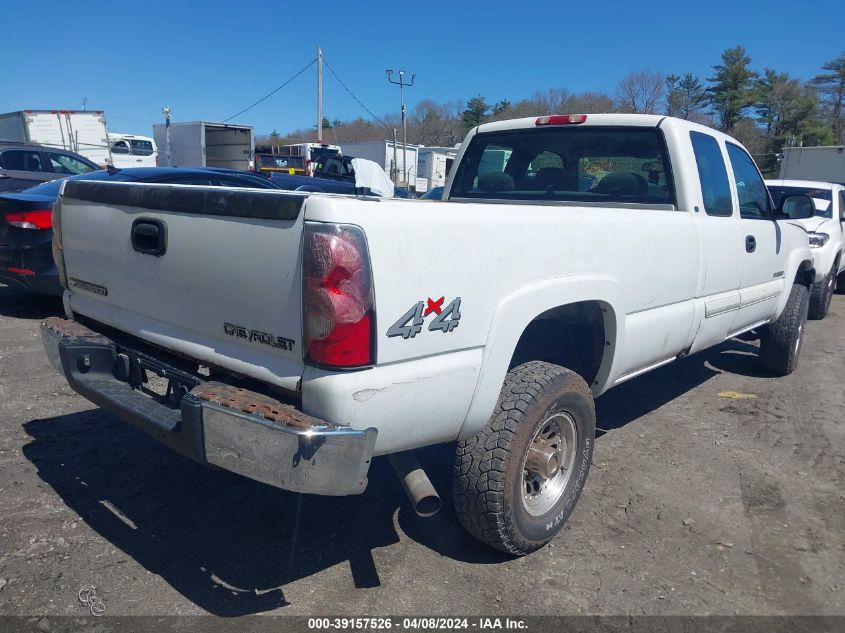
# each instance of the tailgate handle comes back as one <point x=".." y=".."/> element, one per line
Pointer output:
<point x="149" y="236"/>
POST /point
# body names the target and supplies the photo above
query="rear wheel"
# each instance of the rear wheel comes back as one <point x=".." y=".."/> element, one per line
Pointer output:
<point x="821" y="294"/>
<point x="781" y="340"/>
<point x="517" y="481"/>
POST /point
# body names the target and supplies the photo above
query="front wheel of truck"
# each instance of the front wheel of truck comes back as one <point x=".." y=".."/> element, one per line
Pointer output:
<point x="517" y="481"/>
<point x="781" y="340"/>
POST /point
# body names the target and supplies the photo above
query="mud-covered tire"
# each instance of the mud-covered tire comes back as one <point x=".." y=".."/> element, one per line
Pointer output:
<point x="821" y="295"/>
<point x="840" y="283"/>
<point x="489" y="476"/>
<point x="781" y="340"/>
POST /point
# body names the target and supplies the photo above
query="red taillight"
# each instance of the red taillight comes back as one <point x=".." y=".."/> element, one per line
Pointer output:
<point x="41" y="219"/>
<point x="337" y="297"/>
<point x="561" y="119"/>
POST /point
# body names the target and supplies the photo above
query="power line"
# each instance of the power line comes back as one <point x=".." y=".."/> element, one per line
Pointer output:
<point x="270" y="94"/>
<point x="352" y="95"/>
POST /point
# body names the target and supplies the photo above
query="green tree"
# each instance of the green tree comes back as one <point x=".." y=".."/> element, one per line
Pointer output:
<point x="500" y="108"/>
<point x="831" y="85"/>
<point x="476" y="112"/>
<point x="685" y="96"/>
<point x="732" y="87"/>
<point x="789" y="113"/>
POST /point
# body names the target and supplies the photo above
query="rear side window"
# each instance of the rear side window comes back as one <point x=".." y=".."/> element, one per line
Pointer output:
<point x="715" y="190"/>
<point x="120" y="147"/>
<point x="754" y="201"/>
<point x="22" y="160"/>
<point x="574" y="164"/>
<point x="335" y="166"/>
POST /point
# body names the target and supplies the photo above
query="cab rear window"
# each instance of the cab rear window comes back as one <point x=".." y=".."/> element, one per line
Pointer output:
<point x="571" y="164"/>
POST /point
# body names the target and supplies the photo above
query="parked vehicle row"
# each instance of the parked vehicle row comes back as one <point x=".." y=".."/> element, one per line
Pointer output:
<point x="568" y="254"/>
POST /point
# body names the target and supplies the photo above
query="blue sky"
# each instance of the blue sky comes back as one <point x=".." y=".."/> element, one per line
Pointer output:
<point x="208" y="60"/>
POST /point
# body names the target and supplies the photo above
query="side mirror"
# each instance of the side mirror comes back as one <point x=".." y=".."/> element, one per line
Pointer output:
<point x="796" y="207"/>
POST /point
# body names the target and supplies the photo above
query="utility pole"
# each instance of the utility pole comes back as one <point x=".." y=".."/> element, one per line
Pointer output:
<point x="166" y="111"/>
<point x="395" y="170"/>
<point x="319" y="95"/>
<point x="401" y="83"/>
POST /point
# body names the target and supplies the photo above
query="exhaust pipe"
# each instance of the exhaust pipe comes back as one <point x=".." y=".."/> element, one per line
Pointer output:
<point x="417" y="485"/>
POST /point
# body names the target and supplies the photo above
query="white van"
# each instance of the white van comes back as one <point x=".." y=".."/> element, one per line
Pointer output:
<point x="130" y="150"/>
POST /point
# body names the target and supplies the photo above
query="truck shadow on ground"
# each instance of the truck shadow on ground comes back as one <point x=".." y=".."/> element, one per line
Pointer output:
<point x="642" y="395"/>
<point x="20" y="304"/>
<point x="226" y="543"/>
<point x="230" y="545"/>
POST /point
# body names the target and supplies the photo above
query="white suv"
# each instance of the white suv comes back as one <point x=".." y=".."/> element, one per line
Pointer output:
<point x="825" y="231"/>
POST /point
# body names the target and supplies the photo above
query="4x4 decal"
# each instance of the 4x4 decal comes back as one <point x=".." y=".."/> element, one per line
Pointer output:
<point x="411" y="323"/>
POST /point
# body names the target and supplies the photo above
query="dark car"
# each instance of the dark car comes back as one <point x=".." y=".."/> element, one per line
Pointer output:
<point x="26" y="218"/>
<point x="23" y="165"/>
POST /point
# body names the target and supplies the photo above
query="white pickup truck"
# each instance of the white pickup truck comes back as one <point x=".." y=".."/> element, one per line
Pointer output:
<point x="291" y="337"/>
<point x="826" y="231"/>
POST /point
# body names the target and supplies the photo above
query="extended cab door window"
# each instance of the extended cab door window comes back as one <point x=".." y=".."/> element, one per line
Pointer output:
<point x="712" y="174"/>
<point x="754" y="201"/>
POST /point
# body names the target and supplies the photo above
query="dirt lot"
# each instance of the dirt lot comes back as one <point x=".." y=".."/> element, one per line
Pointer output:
<point x="715" y="489"/>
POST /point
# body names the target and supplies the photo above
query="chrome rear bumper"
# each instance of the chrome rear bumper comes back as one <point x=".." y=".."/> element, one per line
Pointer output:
<point x="235" y="429"/>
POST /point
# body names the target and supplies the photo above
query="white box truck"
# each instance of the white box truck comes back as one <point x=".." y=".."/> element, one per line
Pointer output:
<point x="382" y="153"/>
<point x="80" y="131"/>
<point x="826" y="163"/>
<point x="203" y="144"/>
<point x="434" y="165"/>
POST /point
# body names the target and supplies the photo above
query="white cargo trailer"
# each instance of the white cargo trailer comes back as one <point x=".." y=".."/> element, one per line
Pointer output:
<point x="434" y="165"/>
<point x="826" y="164"/>
<point x="80" y="131"/>
<point x="204" y="144"/>
<point x="381" y="152"/>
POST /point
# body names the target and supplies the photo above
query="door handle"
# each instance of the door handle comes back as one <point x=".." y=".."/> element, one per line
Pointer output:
<point x="750" y="244"/>
<point x="149" y="236"/>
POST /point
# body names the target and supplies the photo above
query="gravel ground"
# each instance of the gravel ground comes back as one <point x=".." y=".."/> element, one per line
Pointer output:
<point x="714" y="490"/>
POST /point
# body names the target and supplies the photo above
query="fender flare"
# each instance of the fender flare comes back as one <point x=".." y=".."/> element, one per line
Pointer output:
<point x="519" y="308"/>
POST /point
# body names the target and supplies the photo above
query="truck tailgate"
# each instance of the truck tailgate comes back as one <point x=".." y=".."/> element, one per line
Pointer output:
<point x="225" y="288"/>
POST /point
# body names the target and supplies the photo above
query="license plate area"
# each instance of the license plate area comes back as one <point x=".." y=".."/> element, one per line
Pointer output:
<point x="153" y="378"/>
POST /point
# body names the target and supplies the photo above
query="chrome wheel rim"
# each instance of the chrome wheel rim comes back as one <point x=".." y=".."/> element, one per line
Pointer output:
<point x="548" y="463"/>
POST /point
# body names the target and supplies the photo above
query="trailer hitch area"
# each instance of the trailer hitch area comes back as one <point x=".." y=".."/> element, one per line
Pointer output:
<point x="163" y="383"/>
